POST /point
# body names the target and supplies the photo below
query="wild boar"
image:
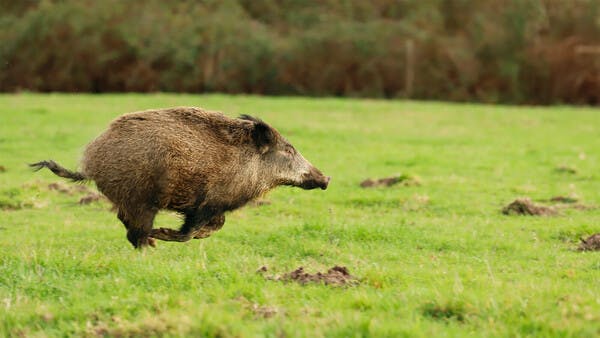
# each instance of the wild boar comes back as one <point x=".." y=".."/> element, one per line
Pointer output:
<point x="198" y="163"/>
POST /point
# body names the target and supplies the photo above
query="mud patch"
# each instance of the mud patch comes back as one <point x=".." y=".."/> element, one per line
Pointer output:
<point x="69" y="189"/>
<point x="524" y="206"/>
<point x="405" y="180"/>
<point x="591" y="243"/>
<point x="91" y="197"/>
<point x="60" y="187"/>
<point x="336" y="276"/>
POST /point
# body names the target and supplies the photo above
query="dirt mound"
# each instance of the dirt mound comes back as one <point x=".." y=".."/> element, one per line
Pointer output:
<point x="592" y="243"/>
<point x="60" y="187"/>
<point x="524" y="206"/>
<point x="336" y="276"/>
<point x="69" y="189"/>
<point x="91" y="197"/>
<point x="406" y="180"/>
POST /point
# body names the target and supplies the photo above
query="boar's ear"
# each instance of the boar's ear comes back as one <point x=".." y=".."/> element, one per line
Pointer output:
<point x="262" y="134"/>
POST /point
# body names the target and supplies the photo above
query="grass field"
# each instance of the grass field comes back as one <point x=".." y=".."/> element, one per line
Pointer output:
<point x="438" y="259"/>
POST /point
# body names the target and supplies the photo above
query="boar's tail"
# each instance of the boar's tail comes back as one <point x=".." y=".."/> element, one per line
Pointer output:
<point x="58" y="170"/>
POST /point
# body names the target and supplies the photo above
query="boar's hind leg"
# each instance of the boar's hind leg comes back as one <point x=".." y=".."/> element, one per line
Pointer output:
<point x="139" y="226"/>
<point x="202" y="222"/>
<point x="198" y="224"/>
<point x="215" y="224"/>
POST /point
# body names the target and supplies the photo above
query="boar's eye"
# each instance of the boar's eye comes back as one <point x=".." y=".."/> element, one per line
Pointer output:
<point x="290" y="150"/>
<point x="287" y="151"/>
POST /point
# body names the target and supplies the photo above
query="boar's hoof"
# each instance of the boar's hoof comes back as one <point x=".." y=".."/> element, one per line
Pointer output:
<point x="139" y="239"/>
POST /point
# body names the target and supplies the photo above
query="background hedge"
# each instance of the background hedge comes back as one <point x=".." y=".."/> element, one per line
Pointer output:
<point x="510" y="51"/>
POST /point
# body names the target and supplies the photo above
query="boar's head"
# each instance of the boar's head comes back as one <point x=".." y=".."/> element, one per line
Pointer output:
<point x="281" y="161"/>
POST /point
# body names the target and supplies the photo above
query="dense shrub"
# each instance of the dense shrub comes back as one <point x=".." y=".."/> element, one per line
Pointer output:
<point x="515" y="51"/>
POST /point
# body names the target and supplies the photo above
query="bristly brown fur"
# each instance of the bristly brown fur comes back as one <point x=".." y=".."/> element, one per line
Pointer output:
<point x="188" y="160"/>
<point x="195" y="162"/>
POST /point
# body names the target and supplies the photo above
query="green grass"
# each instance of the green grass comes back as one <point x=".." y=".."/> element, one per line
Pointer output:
<point x="434" y="260"/>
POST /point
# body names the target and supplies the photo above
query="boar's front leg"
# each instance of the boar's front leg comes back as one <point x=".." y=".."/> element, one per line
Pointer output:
<point x="138" y="223"/>
<point x="198" y="224"/>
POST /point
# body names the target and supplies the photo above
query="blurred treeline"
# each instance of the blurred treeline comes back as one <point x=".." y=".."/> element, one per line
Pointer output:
<point x="511" y="51"/>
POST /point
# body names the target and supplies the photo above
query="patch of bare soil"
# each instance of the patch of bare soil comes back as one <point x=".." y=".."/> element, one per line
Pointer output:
<point x="405" y="180"/>
<point x="591" y="243"/>
<point x="336" y="276"/>
<point x="524" y="206"/>
<point x="69" y="189"/>
<point x="60" y="187"/>
<point x="91" y="197"/>
<point x="2" y="168"/>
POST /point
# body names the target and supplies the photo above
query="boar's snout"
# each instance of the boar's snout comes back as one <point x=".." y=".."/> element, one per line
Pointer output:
<point x="314" y="178"/>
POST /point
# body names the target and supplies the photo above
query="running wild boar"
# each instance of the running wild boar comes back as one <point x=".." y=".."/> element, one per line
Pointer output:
<point x="198" y="163"/>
